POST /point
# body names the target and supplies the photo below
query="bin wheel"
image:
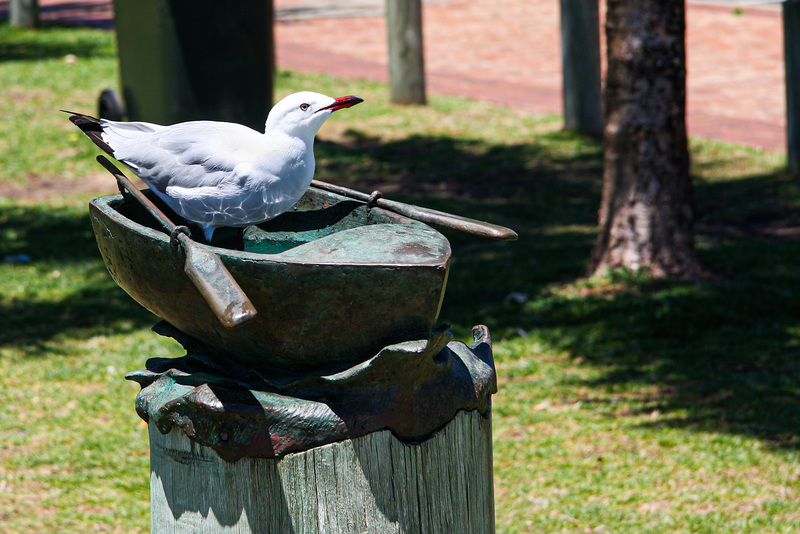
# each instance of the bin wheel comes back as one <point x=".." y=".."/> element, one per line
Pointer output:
<point x="110" y="106"/>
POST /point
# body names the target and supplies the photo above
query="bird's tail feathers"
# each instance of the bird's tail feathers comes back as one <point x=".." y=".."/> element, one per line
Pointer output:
<point x="92" y="127"/>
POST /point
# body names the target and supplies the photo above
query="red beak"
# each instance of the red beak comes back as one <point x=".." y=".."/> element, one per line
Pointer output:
<point x="342" y="102"/>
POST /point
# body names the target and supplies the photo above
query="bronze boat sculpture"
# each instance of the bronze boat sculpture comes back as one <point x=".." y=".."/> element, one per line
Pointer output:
<point x="336" y="300"/>
<point x="333" y="280"/>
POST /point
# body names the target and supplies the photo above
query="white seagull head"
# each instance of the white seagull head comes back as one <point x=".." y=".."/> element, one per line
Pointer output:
<point x="302" y="114"/>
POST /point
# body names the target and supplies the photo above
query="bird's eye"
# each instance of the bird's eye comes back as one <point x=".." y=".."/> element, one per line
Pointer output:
<point x="304" y="107"/>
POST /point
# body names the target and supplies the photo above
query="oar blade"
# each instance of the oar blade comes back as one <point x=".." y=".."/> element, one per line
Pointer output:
<point x="220" y="290"/>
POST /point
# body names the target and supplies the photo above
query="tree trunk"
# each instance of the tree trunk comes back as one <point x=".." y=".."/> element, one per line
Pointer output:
<point x="646" y="215"/>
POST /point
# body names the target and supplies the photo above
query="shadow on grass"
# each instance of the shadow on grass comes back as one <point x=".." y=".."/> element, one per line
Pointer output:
<point x="63" y="288"/>
<point x="548" y="195"/>
<point x="724" y="355"/>
<point x="18" y="44"/>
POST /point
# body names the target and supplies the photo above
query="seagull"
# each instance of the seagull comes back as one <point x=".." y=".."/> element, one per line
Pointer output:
<point x="220" y="173"/>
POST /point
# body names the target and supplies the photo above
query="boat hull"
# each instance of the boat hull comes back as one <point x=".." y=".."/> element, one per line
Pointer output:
<point x="332" y="281"/>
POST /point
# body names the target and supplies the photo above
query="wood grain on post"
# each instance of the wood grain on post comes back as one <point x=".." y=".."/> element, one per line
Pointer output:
<point x="374" y="483"/>
<point x="580" y="53"/>
<point x="406" y="57"/>
<point x="398" y="443"/>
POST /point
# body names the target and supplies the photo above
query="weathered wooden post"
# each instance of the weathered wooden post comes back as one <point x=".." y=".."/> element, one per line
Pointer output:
<point x="791" y="46"/>
<point x="24" y="13"/>
<point x="580" y="53"/>
<point x="339" y="454"/>
<point x="406" y="55"/>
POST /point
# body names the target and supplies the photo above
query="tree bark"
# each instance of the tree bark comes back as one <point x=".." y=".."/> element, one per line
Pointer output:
<point x="646" y="214"/>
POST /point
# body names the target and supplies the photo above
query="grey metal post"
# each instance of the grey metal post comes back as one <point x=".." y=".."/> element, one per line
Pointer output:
<point x="24" y="13"/>
<point x="791" y="43"/>
<point x="580" y="53"/>
<point x="406" y="61"/>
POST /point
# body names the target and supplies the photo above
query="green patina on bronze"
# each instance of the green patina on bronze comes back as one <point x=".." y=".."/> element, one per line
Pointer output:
<point x="412" y="389"/>
<point x="333" y="281"/>
<point x="347" y="295"/>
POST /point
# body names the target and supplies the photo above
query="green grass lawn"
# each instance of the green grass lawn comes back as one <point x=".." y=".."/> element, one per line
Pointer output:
<point x="625" y="404"/>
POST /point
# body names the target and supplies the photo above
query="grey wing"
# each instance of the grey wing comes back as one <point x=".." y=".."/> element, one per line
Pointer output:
<point x="211" y="173"/>
<point x="186" y="155"/>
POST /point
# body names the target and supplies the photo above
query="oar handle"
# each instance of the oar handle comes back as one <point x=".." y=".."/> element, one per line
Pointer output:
<point x="146" y="203"/>
<point x="204" y="268"/>
<point x="426" y="215"/>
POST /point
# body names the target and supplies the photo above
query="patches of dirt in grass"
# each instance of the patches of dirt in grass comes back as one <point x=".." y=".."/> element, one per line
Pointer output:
<point x="19" y="94"/>
<point x="38" y="189"/>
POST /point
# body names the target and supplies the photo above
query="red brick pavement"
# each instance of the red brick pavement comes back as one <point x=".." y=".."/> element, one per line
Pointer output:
<point x="508" y="52"/>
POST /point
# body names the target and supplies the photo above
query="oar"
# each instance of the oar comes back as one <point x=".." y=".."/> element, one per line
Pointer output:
<point x="425" y="215"/>
<point x="204" y="268"/>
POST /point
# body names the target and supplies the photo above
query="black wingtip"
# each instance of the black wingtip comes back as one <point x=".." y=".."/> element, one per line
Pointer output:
<point x="84" y="122"/>
<point x="92" y="127"/>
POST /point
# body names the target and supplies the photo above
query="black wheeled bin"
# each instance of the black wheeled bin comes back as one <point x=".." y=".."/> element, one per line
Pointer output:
<point x="186" y="60"/>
